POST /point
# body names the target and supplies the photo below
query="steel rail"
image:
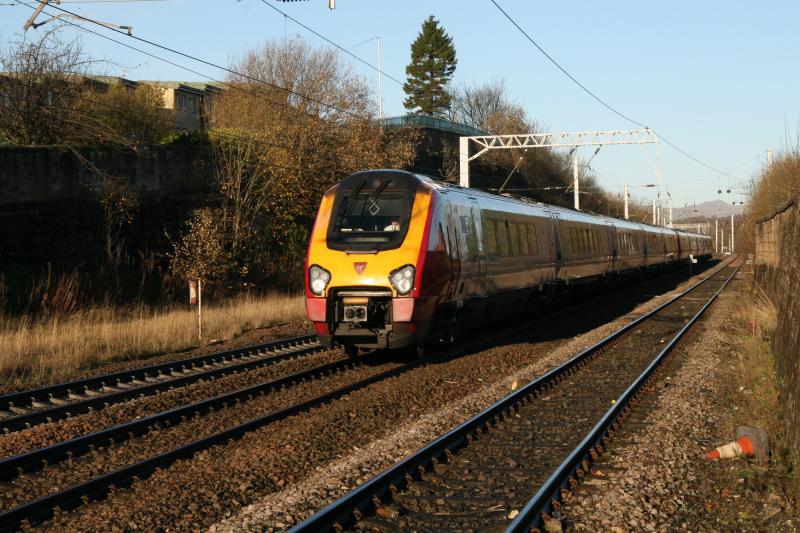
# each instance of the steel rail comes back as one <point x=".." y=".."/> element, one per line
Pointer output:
<point x="62" y="400"/>
<point x="345" y="510"/>
<point x="96" y="488"/>
<point x="37" y="459"/>
<point x="542" y="502"/>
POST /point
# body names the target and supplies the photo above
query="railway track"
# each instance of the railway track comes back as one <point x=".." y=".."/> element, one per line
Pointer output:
<point x="50" y="463"/>
<point x="26" y="408"/>
<point x="508" y="467"/>
<point x="105" y="464"/>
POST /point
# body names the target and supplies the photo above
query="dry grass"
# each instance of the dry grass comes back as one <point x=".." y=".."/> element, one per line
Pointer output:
<point x="757" y="381"/>
<point x="57" y="348"/>
<point x="778" y="183"/>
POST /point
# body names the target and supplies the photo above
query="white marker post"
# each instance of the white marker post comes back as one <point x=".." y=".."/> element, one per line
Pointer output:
<point x="196" y="297"/>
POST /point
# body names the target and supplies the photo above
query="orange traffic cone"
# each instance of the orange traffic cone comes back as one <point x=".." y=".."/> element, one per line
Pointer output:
<point x="737" y="448"/>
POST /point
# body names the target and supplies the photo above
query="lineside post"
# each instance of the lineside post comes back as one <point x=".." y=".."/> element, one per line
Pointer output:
<point x="200" y="311"/>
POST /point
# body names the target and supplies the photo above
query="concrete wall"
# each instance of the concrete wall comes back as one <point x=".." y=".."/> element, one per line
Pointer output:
<point x="50" y="174"/>
<point x="777" y="270"/>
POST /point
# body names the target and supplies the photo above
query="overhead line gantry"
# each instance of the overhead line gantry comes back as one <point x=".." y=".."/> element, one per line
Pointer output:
<point x="574" y="140"/>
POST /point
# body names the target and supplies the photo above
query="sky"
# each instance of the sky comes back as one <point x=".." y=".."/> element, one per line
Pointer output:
<point x="716" y="78"/>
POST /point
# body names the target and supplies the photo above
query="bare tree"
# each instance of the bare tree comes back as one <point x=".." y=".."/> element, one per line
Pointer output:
<point x="119" y="204"/>
<point x="276" y="151"/>
<point x="49" y="96"/>
<point x="41" y="86"/>
<point x="488" y="107"/>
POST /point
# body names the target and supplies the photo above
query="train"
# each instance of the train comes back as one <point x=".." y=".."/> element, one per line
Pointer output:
<point x="398" y="259"/>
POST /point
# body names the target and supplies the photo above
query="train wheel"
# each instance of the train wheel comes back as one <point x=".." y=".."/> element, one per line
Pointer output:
<point x="419" y="350"/>
<point x="351" y="351"/>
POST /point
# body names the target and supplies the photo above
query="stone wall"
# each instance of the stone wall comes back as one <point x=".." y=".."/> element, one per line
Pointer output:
<point x="777" y="270"/>
<point x="47" y="174"/>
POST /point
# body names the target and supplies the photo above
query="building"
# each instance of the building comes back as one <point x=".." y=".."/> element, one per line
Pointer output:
<point x="186" y="99"/>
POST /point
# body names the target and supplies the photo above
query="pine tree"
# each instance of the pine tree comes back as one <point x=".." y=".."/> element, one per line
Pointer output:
<point x="433" y="61"/>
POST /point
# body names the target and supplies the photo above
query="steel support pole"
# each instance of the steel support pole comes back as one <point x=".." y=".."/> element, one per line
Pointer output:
<point x="716" y="235"/>
<point x="380" y="75"/>
<point x="733" y="247"/>
<point x="626" y="202"/>
<point x="575" y="190"/>
<point x="670" y="212"/>
<point x="654" y="212"/>
<point x="463" y="161"/>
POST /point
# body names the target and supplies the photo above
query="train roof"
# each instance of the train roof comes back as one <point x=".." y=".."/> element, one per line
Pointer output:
<point x="564" y="213"/>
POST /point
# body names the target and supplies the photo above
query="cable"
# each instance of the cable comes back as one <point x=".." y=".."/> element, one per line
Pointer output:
<point x="182" y="67"/>
<point x="346" y="51"/>
<point x="570" y="76"/>
<point x="601" y="101"/>
<point x="199" y="60"/>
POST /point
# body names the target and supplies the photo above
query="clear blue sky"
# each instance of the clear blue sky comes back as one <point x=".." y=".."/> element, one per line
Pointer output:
<point x="717" y="78"/>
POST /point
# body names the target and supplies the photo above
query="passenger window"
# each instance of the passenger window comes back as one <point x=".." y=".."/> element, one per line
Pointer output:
<point x="502" y="238"/>
<point x="513" y="238"/>
<point x="523" y="240"/>
<point x="490" y="237"/>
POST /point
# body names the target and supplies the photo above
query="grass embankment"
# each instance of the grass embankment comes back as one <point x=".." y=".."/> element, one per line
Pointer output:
<point x="55" y="349"/>
<point x="756" y="378"/>
<point x="777" y="184"/>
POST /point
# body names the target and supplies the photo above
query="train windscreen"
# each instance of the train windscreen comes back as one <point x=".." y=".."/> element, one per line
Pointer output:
<point x="370" y="219"/>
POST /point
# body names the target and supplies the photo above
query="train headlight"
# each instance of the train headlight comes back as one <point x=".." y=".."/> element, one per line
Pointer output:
<point x="318" y="279"/>
<point x="402" y="279"/>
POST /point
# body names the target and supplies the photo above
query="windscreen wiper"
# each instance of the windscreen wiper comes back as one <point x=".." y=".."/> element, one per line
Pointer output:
<point x="351" y="200"/>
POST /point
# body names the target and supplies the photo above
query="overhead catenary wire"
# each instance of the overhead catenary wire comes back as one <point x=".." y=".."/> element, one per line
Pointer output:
<point x="603" y="102"/>
<point x="197" y="59"/>
<point x="336" y="45"/>
<point x="229" y="85"/>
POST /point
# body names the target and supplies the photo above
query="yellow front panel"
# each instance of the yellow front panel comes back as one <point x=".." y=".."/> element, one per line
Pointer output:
<point x="378" y="266"/>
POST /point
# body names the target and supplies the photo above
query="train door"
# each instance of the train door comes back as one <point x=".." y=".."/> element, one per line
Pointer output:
<point x="477" y="234"/>
<point x="451" y="223"/>
<point x="557" y="249"/>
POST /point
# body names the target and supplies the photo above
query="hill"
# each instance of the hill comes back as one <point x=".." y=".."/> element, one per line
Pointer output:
<point x="712" y="209"/>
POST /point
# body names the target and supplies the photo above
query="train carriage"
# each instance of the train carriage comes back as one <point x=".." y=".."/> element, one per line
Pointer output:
<point x="398" y="259"/>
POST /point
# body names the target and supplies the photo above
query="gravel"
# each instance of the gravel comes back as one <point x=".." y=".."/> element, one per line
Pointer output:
<point x="46" y="434"/>
<point x="279" y="510"/>
<point x="106" y="459"/>
<point x="653" y="476"/>
<point x="270" y="471"/>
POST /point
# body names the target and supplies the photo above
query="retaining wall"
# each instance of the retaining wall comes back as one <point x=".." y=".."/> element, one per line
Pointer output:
<point x="47" y="174"/>
<point x="777" y="271"/>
